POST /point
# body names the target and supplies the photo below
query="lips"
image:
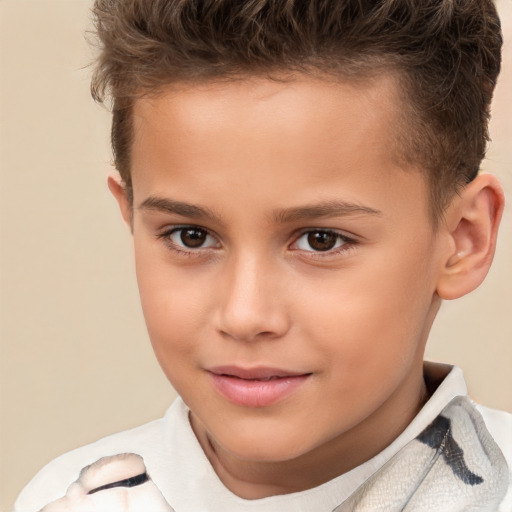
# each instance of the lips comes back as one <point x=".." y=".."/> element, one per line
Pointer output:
<point x="255" y="387"/>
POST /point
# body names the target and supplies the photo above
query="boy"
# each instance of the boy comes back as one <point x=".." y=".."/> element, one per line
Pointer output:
<point x="301" y="181"/>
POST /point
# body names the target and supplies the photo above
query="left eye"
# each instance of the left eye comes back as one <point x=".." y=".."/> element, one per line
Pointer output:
<point x="320" y="241"/>
<point x="192" y="238"/>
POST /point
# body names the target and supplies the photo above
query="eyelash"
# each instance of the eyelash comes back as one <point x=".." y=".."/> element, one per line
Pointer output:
<point x="165" y="236"/>
<point x="347" y="245"/>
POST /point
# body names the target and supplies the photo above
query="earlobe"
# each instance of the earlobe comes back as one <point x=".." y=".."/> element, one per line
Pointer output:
<point x="117" y="189"/>
<point x="472" y="223"/>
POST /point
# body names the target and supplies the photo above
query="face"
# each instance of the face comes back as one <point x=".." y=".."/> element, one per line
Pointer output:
<point x="286" y="262"/>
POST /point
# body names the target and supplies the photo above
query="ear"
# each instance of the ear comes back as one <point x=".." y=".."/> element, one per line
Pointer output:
<point x="471" y="226"/>
<point x="118" y="190"/>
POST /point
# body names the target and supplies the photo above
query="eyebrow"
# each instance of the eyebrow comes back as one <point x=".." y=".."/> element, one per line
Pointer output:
<point x="179" y="208"/>
<point x="307" y="212"/>
<point x="324" y="209"/>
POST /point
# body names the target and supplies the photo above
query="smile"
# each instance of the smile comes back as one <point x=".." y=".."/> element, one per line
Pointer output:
<point x="258" y="387"/>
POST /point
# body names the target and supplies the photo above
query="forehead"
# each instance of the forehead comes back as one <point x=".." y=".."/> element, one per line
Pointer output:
<point x="304" y="106"/>
<point x="297" y="135"/>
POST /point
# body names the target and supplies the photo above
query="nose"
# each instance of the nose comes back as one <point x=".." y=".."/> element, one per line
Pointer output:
<point x="251" y="304"/>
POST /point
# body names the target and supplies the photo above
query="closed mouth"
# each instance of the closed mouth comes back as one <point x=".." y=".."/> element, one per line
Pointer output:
<point x="258" y="373"/>
<point x="256" y="387"/>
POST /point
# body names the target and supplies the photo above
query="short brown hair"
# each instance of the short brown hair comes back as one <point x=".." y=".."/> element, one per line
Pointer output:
<point x="446" y="54"/>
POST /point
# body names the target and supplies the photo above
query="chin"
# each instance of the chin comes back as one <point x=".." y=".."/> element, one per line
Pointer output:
<point x="265" y="448"/>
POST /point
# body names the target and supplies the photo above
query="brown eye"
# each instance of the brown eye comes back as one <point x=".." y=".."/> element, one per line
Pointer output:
<point x="322" y="240"/>
<point x="193" y="237"/>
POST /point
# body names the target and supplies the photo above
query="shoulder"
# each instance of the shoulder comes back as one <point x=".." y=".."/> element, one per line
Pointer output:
<point x="448" y="382"/>
<point x="53" y="480"/>
<point x="499" y="425"/>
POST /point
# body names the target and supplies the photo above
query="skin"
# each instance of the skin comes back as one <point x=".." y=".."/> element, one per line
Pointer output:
<point x="262" y="159"/>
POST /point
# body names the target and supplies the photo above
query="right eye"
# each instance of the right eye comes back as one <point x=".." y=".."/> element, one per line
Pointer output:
<point x="191" y="237"/>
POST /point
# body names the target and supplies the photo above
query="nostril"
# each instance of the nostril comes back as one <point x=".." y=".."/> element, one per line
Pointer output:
<point x="248" y="335"/>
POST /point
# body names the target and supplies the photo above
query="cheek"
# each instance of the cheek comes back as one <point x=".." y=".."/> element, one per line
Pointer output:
<point x="174" y="303"/>
<point x="371" y="316"/>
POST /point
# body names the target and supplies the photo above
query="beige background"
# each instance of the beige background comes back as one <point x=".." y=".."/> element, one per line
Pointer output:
<point x="75" y="360"/>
